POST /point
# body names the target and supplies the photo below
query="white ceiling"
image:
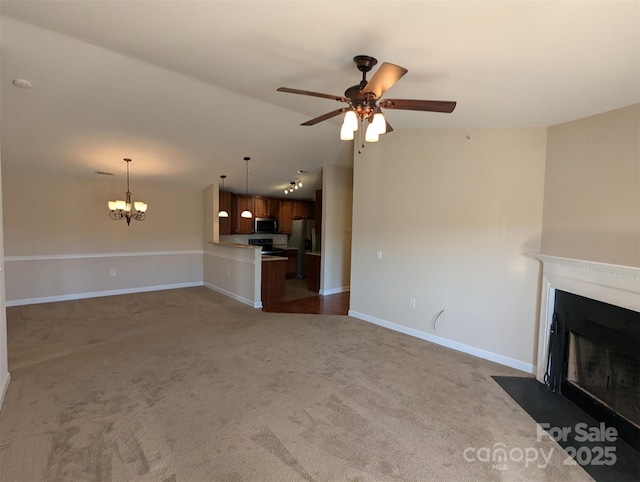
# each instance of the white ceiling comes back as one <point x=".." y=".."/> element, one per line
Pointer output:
<point x="188" y="88"/>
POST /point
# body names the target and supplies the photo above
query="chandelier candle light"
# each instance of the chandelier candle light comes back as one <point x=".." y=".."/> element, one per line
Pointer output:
<point x="125" y="209"/>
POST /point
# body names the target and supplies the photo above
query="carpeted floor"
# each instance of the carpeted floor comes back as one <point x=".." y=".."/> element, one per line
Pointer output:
<point x="188" y="385"/>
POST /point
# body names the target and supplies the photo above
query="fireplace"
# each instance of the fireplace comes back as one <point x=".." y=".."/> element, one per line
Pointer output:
<point x="594" y="360"/>
<point x="588" y="368"/>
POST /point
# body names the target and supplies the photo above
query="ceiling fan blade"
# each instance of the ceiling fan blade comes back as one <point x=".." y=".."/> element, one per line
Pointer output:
<point x="425" y="105"/>
<point x="339" y="98"/>
<point x="384" y="78"/>
<point x="324" y="117"/>
<point x="389" y="128"/>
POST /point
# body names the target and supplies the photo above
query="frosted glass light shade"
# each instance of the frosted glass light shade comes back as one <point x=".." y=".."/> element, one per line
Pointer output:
<point x="350" y="120"/>
<point x="223" y="214"/>
<point x="379" y="123"/>
<point x="112" y="206"/>
<point x="371" y="134"/>
<point x="140" y="206"/>
<point x="246" y="214"/>
<point x="121" y="205"/>
<point x="346" y="134"/>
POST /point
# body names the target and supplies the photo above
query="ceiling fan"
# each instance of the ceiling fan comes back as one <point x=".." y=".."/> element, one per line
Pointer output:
<point x="365" y="103"/>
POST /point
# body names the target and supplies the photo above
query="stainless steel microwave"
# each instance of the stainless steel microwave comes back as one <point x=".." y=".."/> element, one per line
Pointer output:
<point x="265" y="225"/>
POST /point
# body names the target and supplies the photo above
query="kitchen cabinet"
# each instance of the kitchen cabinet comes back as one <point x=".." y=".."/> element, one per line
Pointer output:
<point x="292" y="262"/>
<point x="309" y="210"/>
<point x="239" y="203"/>
<point x="318" y="206"/>
<point x="298" y="209"/>
<point x="304" y="210"/>
<point x="266" y="207"/>
<point x="285" y="215"/>
<point x="313" y="271"/>
<point x="225" y="204"/>
<point x="273" y="279"/>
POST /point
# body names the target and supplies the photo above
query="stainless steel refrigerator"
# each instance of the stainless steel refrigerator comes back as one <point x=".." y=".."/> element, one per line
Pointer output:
<point x="303" y="237"/>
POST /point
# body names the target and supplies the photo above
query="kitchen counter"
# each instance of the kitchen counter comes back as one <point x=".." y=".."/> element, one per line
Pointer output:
<point x="270" y="257"/>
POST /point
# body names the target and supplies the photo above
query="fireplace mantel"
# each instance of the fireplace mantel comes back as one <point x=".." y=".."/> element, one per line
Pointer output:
<point x="609" y="283"/>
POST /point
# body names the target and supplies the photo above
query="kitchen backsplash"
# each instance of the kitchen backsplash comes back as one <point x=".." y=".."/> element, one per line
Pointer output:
<point x="278" y="239"/>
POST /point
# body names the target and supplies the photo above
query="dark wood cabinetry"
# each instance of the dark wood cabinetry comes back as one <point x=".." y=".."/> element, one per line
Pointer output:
<point x="285" y="215"/>
<point x="239" y="203"/>
<point x="225" y="204"/>
<point x="266" y="207"/>
<point x="292" y="262"/>
<point x="273" y="278"/>
<point x="318" y="209"/>
<point x="285" y="210"/>
<point x="313" y="271"/>
<point x="298" y="209"/>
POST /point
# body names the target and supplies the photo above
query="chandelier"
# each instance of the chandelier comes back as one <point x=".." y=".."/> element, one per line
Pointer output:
<point x="124" y="209"/>
<point x="293" y="185"/>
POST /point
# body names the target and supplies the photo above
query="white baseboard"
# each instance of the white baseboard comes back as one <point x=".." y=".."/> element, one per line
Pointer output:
<point x="334" y="291"/>
<point x="241" y="299"/>
<point x="454" y="345"/>
<point x="4" y="389"/>
<point x="97" y="294"/>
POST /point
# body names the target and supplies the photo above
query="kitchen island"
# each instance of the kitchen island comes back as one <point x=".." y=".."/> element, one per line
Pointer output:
<point x="274" y="270"/>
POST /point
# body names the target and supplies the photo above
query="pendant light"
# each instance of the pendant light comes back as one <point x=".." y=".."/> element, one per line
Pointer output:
<point x="222" y="213"/>
<point x="246" y="213"/>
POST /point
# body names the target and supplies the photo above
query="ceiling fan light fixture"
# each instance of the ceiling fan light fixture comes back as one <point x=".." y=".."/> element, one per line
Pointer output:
<point x="350" y="120"/>
<point x="346" y="134"/>
<point x="379" y="123"/>
<point x="372" y="134"/>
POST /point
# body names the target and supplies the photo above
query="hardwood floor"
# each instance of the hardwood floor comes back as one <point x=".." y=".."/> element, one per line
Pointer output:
<point x="337" y="304"/>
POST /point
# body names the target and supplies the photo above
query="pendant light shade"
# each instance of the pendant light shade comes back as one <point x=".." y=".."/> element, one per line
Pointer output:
<point x="246" y="213"/>
<point x="379" y="123"/>
<point x="222" y="213"/>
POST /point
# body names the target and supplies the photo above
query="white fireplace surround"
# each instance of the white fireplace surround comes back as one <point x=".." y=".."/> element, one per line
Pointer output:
<point x="609" y="283"/>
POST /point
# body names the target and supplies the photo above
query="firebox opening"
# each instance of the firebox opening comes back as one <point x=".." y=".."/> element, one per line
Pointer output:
<point x="595" y="361"/>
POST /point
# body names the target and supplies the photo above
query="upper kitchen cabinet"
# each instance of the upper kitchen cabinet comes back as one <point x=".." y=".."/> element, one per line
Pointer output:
<point x="285" y="215"/>
<point x="225" y="205"/>
<point x="266" y="207"/>
<point x="239" y="203"/>
<point x="304" y="210"/>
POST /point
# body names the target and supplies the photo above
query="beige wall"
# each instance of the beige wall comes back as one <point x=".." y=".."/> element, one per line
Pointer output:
<point x="453" y="218"/>
<point x="337" y="199"/>
<point x="592" y="189"/>
<point x="60" y="242"/>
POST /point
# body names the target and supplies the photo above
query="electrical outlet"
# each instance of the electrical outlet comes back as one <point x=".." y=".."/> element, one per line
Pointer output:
<point x="412" y="302"/>
<point x="113" y="272"/>
<point x="379" y="255"/>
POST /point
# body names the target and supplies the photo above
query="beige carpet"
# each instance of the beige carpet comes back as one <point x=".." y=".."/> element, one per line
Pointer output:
<point x="188" y="385"/>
